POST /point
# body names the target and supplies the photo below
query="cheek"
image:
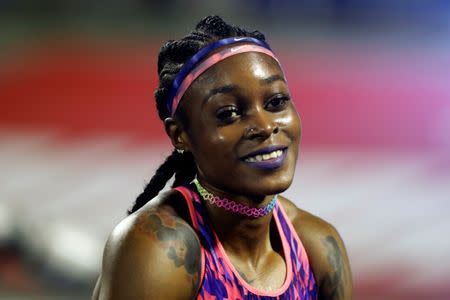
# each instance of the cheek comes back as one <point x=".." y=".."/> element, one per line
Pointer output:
<point x="210" y="143"/>
<point x="216" y="150"/>
<point x="297" y="126"/>
<point x="225" y="139"/>
<point x="291" y="122"/>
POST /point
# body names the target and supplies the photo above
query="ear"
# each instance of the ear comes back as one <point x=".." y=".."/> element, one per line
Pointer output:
<point x="177" y="135"/>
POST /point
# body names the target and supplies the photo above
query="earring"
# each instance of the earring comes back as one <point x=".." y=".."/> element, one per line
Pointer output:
<point x="250" y="131"/>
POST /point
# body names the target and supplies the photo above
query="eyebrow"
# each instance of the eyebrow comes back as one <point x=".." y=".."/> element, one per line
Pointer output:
<point x="272" y="78"/>
<point x="226" y="89"/>
<point x="221" y="90"/>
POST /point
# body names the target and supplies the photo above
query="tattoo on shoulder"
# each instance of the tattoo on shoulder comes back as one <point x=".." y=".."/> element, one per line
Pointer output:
<point x="332" y="286"/>
<point x="177" y="239"/>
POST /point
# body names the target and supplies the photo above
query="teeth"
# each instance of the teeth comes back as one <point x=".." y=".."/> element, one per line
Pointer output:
<point x="263" y="157"/>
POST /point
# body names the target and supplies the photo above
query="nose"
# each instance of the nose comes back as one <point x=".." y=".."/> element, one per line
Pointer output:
<point x="262" y="124"/>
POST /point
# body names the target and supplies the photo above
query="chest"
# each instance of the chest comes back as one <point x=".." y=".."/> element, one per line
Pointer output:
<point x="268" y="275"/>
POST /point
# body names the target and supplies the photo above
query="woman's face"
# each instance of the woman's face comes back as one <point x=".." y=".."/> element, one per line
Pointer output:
<point x="243" y="128"/>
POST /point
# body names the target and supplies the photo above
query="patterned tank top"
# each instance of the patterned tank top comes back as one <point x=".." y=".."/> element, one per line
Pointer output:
<point x="220" y="280"/>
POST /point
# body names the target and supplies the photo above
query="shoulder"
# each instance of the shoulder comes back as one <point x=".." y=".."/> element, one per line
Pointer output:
<point x="309" y="227"/>
<point x="326" y="252"/>
<point x="152" y="254"/>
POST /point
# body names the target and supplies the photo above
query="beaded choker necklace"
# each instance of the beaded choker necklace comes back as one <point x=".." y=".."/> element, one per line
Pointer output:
<point x="235" y="207"/>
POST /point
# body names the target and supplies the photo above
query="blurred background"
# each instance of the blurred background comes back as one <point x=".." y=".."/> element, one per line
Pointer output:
<point x="79" y="134"/>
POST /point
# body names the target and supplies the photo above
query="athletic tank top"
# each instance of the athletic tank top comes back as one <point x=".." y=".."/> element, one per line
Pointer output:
<point x="220" y="280"/>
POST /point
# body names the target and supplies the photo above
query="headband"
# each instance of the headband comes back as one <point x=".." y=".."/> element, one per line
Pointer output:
<point x="194" y="67"/>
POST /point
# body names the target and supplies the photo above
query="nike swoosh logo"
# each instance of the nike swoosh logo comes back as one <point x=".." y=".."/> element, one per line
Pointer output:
<point x="235" y="48"/>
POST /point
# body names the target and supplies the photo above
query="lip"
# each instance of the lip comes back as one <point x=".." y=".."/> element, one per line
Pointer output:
<point x="267" y="164"/>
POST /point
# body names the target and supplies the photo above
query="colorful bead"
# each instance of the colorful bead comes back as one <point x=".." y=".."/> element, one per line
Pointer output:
<point x="230" y="205"/>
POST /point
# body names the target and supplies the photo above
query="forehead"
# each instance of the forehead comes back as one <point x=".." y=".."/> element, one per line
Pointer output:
<point x="237" y="70"/>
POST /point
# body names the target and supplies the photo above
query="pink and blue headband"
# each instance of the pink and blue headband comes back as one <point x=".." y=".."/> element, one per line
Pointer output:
<point x="195" y="66"/>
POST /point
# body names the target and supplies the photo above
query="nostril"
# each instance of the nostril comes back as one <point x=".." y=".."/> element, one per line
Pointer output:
<point x="276" y="129"/>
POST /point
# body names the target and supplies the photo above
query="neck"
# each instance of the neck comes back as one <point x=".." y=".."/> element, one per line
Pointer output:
<point x="240" y="235"/>
<point x="236" y="207"/>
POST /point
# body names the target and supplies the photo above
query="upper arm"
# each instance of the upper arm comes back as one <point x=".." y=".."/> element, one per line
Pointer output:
<point x="332" y="266"/>
<point x="326" y="253"/>
<point x="155" y="255"/>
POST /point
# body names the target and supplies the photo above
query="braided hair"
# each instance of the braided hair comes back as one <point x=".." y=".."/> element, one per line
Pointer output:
<point x="172" y="56"/>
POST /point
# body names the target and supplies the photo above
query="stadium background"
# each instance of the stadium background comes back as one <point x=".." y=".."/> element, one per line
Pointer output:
<point x="79" y="135"/>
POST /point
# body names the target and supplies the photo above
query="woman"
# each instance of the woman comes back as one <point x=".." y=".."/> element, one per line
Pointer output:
<point x="224" y="232"/>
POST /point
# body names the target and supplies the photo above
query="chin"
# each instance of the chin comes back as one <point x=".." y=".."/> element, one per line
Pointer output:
<point x="283" y="186"/>
<point x="275" y="186"/>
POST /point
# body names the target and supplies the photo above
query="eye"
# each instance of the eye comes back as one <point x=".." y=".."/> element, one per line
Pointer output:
<point x="277" y="103"/>
<point x="227" y="114"/>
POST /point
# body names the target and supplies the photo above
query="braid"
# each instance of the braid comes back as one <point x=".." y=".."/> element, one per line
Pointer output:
<point x="157" y="183"/>
<point x="172" y="56"/>
<point x="186" y="170"/>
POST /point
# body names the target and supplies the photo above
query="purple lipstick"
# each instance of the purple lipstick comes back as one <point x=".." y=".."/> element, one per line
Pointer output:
<point x="267" y="158"/>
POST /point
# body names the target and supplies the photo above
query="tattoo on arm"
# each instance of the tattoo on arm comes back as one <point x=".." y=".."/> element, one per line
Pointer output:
<point x="332" y="285"/>
<point x="181" y="246"/>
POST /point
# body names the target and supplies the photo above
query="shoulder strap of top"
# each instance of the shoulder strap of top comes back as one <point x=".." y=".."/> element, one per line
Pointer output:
<point x="301" y="257"/>
<point x="189" y="198"/>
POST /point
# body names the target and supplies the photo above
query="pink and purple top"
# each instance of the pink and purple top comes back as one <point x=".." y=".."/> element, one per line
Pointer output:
<point x="219" y="280"/>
